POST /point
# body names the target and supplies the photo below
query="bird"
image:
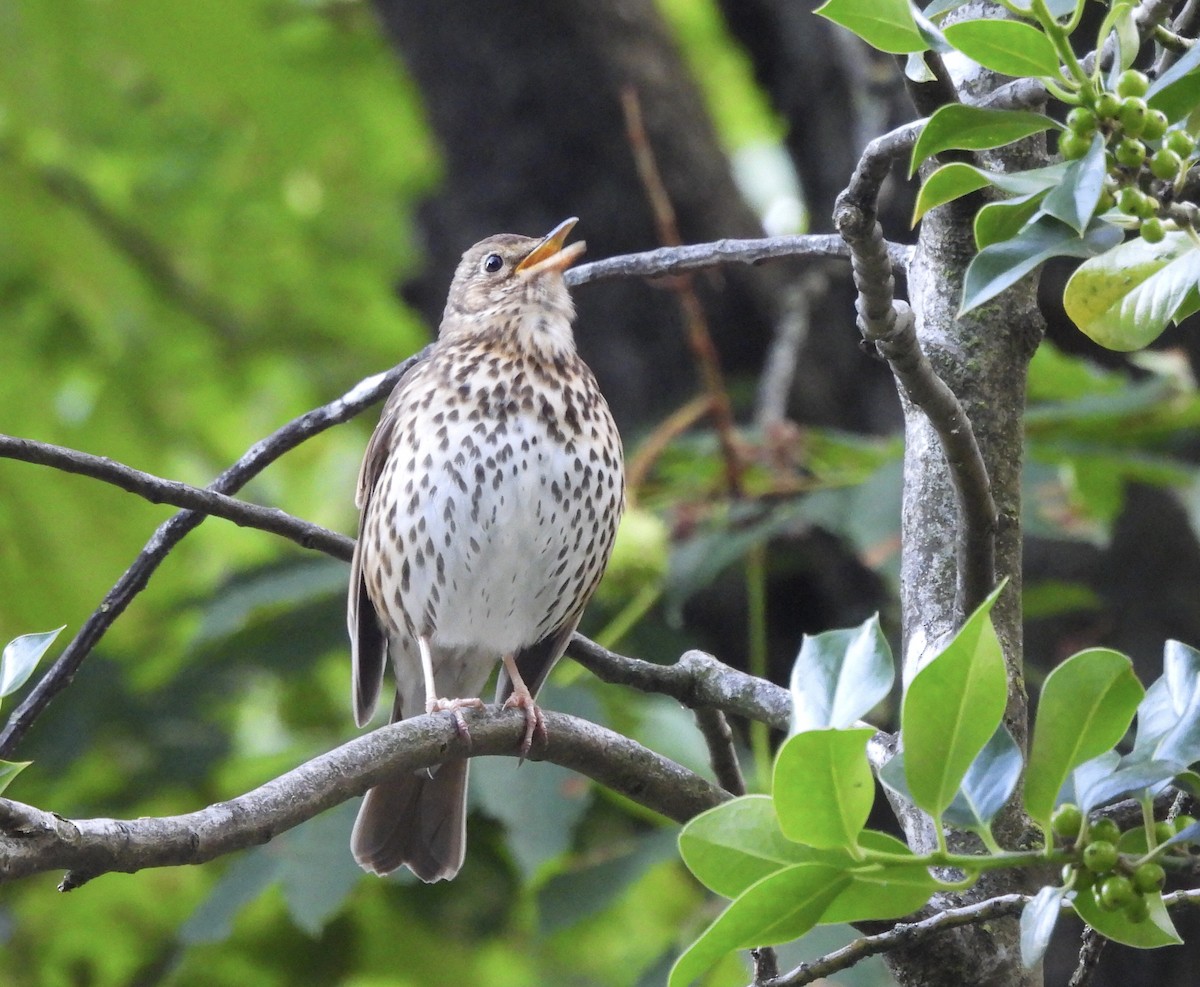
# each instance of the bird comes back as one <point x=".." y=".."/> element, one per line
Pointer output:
<point x="489" y="498"/>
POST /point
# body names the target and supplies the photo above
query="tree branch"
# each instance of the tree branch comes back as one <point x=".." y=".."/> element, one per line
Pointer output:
<point x="160" y="491"/>
<point x="33" y="841"/>
<point x="257" y="458"/>
<point x="696" y="680"/>
<point x="891" y="327"/>
<point x="692" y="257"/>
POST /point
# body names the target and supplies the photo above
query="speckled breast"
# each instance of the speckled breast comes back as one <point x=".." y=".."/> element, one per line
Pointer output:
<point x="503" y="492"/>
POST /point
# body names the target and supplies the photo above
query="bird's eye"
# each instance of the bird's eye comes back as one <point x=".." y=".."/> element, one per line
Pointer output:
<point x="492" y="263"/>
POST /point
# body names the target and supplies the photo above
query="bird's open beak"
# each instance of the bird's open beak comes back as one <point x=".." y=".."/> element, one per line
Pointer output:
<point x="550" y="254"/>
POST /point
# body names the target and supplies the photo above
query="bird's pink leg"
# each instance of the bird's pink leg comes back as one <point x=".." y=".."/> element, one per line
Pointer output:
<point x="522" y="698"/>
<point x="435" y="705"/>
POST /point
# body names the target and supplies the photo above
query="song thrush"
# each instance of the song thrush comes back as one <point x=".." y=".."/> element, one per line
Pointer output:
<point x="489" y="495"/>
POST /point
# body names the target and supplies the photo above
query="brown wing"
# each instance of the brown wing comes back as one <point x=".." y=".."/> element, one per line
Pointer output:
<point x="368" y="642"/>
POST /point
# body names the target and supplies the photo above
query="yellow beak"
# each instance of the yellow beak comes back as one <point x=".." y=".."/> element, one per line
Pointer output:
<point x="549" y="254"/>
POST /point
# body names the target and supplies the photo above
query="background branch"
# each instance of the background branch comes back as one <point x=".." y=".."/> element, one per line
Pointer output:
<point x="33" y="841"/>
<point x="257" y="458"/>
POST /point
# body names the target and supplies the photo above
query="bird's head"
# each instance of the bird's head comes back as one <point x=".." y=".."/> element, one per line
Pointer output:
<point x="517" y="282"/>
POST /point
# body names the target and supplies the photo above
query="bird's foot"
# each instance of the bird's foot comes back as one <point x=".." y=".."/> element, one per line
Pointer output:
<point x="535" y="723"/>
<point x="455" y="707"/>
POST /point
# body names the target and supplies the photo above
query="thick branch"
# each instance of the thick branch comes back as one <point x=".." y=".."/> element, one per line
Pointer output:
<point x="33" y="841"/>
<point x="890" y="326"/>
<point x="171" y="532"/>
<point x="697" y="680"/>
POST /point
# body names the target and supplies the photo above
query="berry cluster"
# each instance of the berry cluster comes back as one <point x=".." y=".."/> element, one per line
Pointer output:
<point x="1139" y="148"/>
<point x="1119" y="881"/>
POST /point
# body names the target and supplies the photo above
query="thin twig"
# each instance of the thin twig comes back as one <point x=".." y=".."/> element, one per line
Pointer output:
<point x="33" y="841"/>
<point x="157" y="490"/>
<point x="172" y="531"/>
<point x="1091" y="945"/>
<point x="657" y="442"/>
<point x="722" y="754"/>
<point x="791" y="331"/>
<point x="666" y="261"/>
<point x="699" y="338"/>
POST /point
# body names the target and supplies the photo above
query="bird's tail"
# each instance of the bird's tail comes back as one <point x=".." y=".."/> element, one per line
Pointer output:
<point x="418" y="820"/>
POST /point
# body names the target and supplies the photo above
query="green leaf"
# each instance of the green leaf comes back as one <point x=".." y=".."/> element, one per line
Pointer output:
<point x="315" y="872"/>
<point x="777" y="909"/>
<point x="988" y="783"/>
<point x="884" y="24"/>
<point x="951" y="181"/>
<point x="1075" y="199"/>
<point x="823" y="787"/>
<point x="734" y="844"/>
<point x="1009" y="47"/>
<point x="1169" y="716"/>
<point x="999" y="221"/>
<point x="1124" y="298"/>
<point x="973" y="128"/>
<point x="20" y="657"/>
<point x="1086" y="706"/>
<point x="951" y="709"/>
<point x="1177" y="91"/>
<point x="840" y="676"/>
<point x="9" y="770"/>
<point x="1125" y="781"/>
<point x="1001" y="265"/>
<point x="1037" y="924"/>
<point x="1157" y="930"/>
<point x="246" y="877"/>
<point x="882" y="891"/>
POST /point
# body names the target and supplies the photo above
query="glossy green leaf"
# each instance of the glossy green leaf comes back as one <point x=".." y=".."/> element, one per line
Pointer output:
<point x="734" y="844"/>
<point x="951" y="709"/>
<point x="823" y="787"/>
<point x="973" y="128"/>
<point x="1124" y="298"/>
<point x="9" y="770"/>
<point x="951" y="181"/>
<point x="779" y="908"/>
<point x="999" y="221"/>
<point x="840" y="676"/>
<point x="1009" y="47"/>
<point x="884" y="24"/>
<point x="1037" y="924"/>
<point x="1075" y="199"/>
<point x="1086" y="706"/>
<point x="1128" y="780"/>
<point x="1001" y="265"/>
<point x="1168" y="726"/>
<point x="1157" y="930"/>
<point x="988" y="783"/>
<point x="881" y="891"/>
<point x="20" y="658"/>
<point x="1177" y="91"/>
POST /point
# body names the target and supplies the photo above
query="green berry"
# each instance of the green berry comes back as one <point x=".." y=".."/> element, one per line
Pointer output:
<point x="1107" y="105"/>
<point x="1181" y="142"/>
<point x="1100" y="857"/>
<point x="1082" y="121"/>
<point x="1183" y="822"/>
<point x="1131" y="153"/>
<point x="1129" y="202"/>
<point x="1147" y="207"/>
<point x="1132" y="83"/>
<point x="1152" y="230"/>
<point x="1105" y="829"/>
<point x="1138" y="910"/>
<point x="1115" y="892"/>
<point x="1066" y="821"/>
<point x="1107" y="200"/>
<point x="1155" y="125"/>
<point x="1149" y="877"/>
<point x="1132" y="115"/>
<point x="1072" y="145"/>
<point x="1165" y="164"/>
<point x="1163" y="831"/>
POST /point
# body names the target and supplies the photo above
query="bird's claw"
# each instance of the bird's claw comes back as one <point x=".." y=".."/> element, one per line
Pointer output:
<point x="535" y="723"/>
<point x="455" y="708"/>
